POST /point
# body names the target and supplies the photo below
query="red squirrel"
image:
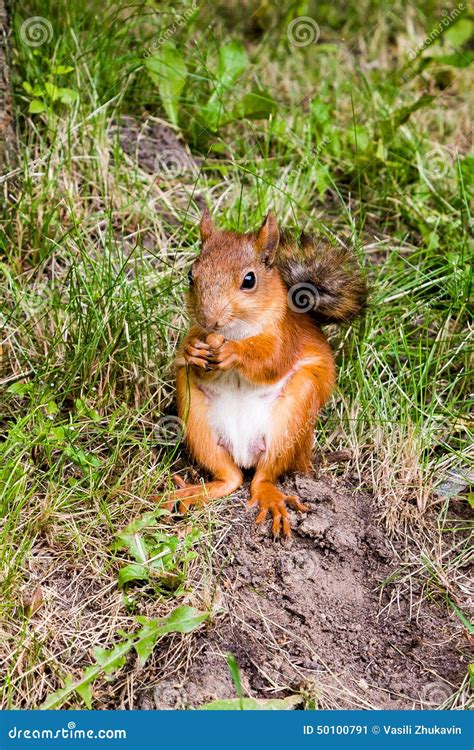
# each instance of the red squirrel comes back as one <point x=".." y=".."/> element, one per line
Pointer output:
<point x="255" y="368"/>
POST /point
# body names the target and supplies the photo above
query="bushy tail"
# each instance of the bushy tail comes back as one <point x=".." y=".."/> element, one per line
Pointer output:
<point x="323" y="281"/>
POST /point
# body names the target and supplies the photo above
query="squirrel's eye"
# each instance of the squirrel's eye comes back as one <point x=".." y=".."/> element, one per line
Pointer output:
<point x="190" y="277"/>
<point x="249" y="281"/>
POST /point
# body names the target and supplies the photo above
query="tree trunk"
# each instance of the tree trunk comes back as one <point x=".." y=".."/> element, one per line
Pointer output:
<point x="7" y="130"/>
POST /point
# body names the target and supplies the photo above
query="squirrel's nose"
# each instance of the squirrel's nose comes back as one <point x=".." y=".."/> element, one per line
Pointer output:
<point x="216" y="325"/>
<point x="209" y="322"/>
<point x="213" y="322"/>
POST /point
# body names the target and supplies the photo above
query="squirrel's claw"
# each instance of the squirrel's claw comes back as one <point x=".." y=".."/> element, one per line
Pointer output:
<point x="198" y="344"/>
<point x="196" y="361"/>
<point x="222" y="364"/>
<point x="212" y="354"/>
<point x="195" y="353"/>
<point x="270" y="499"/>
<point x="224" y="357"/>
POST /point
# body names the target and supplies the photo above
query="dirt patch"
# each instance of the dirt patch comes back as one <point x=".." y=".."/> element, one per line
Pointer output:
<point x="155" y="147"/>
<point x="311" y="616"/>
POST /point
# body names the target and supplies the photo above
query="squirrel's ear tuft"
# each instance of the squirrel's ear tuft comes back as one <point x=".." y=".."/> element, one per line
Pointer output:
<point x="268" y="238"/>
<point x="206" y="226"/>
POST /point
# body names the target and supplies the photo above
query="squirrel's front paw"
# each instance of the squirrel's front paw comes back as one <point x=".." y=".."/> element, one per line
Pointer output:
<point x="196" y="353"/>
<point x="222" y="357"/>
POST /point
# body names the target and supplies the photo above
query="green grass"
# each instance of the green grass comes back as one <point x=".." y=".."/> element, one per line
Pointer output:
<point x="93" y="264"/>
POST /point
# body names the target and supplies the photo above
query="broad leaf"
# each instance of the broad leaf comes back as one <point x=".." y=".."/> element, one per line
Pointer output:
<point x="459" y="32"/>
<point x="142" y="522"/>
<point x="83" y="687"/>
<point x="147" y="638"/>
<point x="168" y="69"/>
<point x="37" y="106"/>
<point x="456" y="60"/>
<point x="61" y="69"/>
<point x="183" y="620"/>
<point x="112" y="659"/>
<point x="256" y="105"/>
<point x="51" y="408"/>
<point x="19" y="388"/>
<point x="132" y="572"/>
<point x="81" y="458"/>
<point x="67" y="96"/>
<point x="51" y="90"/>
<point x="59" y="696"/>
<point x="232" y="62"/>
<point x="135" y="545"/>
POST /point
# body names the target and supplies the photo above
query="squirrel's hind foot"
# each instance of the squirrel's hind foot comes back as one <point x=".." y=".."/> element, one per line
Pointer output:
<point x="270" y="499"/>
<point x="197" y="494"/>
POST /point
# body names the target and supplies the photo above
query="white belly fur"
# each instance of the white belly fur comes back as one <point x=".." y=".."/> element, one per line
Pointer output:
<point x="240" y="415"/>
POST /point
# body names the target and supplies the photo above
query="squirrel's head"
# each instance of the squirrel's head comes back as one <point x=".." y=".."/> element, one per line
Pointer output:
<point x="235" y="288"/>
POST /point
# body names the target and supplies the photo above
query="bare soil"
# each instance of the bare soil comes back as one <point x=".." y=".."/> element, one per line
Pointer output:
<point x="155" y="147"/>
<point x="312" y="615"/>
